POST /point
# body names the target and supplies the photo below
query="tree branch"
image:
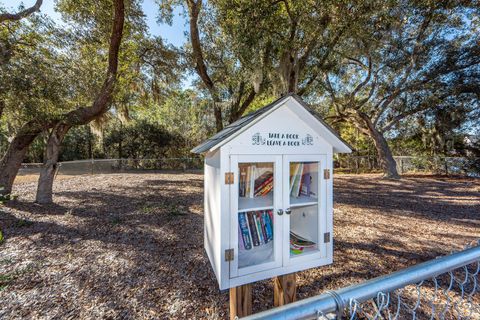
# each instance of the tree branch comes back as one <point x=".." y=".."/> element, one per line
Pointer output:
<point x="200" y="66"/>
<point x="22" y="14"/>
<point x="102" y="101"/>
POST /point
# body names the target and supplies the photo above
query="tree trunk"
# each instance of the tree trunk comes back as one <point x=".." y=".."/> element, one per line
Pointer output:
<point x="385" y="157"/>
<point x="2" y="107"/>
<point x="12" y="160"/>
<point x="82" y="116"/>
<point x="50" y="164"/>
<point x="217" y="110"/>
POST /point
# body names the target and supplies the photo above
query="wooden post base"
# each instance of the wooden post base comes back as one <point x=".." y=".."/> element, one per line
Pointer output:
<point x="284" y="289"/>
<point x="241" y="301"/>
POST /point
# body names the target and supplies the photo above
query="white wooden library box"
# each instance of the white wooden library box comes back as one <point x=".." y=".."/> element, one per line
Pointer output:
<point x="269" y="193"/>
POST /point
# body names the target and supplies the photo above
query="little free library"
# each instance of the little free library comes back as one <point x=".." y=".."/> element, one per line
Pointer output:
<point x="269" y="195"/>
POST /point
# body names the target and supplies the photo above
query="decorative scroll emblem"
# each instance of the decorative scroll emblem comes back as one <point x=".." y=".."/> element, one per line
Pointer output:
<point x="308" y="140"/>
<point x="257" y="139"/>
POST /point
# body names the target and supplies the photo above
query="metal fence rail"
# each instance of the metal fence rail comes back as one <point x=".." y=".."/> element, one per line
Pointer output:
<point x="443" y="288"/>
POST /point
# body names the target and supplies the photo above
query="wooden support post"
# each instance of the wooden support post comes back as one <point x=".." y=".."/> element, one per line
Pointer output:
<point x="241" y="301"/>
<point x="284" y="289"/>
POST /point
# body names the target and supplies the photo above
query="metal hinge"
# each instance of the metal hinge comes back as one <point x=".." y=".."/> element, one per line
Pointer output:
<point x="229" y="255"/>
<point x="326" y="237"/>
<point x="228" y="177"/>
<point x="326" y="174"/>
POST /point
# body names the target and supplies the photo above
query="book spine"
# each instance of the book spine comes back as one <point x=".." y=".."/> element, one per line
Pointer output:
<point x="253" y="172"/>
<point x="243" y="175"/>
<point x="242" y="222"/>
<point x="241" y="245"/>
<point x="259" y="229"/>
<point x="263" y="185"/>
<point x="253" y="229"/>
<point x="268" y="225"/>
<point x="267" y="189"/>
<point x="270" y="215"/>
<point x="261" y="217"/>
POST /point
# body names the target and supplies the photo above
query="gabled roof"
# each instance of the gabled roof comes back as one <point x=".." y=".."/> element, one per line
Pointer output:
<point x="243" y="123"/>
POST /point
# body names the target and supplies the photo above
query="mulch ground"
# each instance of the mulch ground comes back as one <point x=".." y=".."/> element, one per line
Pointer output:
<point x="130" y="246"/>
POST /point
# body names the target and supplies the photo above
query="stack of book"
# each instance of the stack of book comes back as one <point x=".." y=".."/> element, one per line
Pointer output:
<point x="298" y="243"/>
<point x="255" y="228"/>
<point x="300" y="180"/>
<point x="251" y="186"/>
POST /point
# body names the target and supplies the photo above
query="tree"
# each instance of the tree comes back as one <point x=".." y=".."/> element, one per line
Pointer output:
<point x="32" y="87"/>
<point x="21" y="14"/>
<point x="82" y="115"/>
<point x="232" y="81"/>
<point x="421" y="59"/>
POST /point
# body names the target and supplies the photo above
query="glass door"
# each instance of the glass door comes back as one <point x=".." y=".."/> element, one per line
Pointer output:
<point x="304" y="200"/>
<point x="256" y="226"/>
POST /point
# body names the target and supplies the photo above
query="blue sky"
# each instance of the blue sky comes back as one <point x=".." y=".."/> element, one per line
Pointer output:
<point x="174" y="34"/>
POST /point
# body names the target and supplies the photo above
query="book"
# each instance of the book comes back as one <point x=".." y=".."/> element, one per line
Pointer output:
<point x="305" y="188"/>
<point x="262" y="180"/>
<point x="241" y="245"/>
<point x="247" y="181"/>
<point x="261" y="218"/>
<point x="263" y="183"/>
<point x="243" y="225"/>
<point x="270" y="214"/>
<point x="293" y="170"/>
<point x="300" y="242"/>
<point x="253" y="173"/>
<point x="253" y="229"/>
<point x="259" y="228"/>
<point x="295" y="192"/>
<point x="265" y="189"/>
<point x="268" y="225"/>
<point x="242" y="181"/>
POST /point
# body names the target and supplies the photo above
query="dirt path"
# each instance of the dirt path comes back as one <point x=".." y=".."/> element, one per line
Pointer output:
<point x="131" y="246"/>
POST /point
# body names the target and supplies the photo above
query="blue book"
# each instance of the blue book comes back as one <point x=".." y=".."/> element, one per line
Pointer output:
<point x="243" y="224"/>
<point x="261" y="217"/>
<point x="268" y="225"/>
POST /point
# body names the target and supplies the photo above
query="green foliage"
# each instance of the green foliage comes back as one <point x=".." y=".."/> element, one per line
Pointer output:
<point x="141" y="140"/>
<point x="3" y="197"/>
<point x="409" y="67"/>
<point x="23" y="223"/>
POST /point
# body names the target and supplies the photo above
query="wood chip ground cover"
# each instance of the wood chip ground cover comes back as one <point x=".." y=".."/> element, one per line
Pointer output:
<point x="130" y="246"/>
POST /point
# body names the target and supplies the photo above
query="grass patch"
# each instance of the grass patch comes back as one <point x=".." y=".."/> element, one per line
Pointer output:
<point x="170" y="209"/>
<point x="7" y="278"/>
<point x="22" y="223"/>
<point x="6" y="261"/>
<point x="116" y="221"/>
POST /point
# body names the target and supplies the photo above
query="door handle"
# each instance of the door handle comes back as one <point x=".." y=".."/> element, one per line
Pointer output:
<point x="288" y="211"/>
<point x="279" y="212"/>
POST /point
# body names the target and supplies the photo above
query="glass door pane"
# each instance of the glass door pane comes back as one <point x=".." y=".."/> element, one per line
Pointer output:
<point x="304" y="198"/>
<point x="256" y="221"/>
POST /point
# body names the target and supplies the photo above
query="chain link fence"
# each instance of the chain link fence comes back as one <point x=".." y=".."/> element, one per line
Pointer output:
<point x="407" y="164"/>
<point x="444" y="288"/>
<point x="102" y="166"/>
<point x="343" y="163"/>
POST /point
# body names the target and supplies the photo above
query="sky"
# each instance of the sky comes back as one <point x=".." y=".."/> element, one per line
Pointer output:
<point x="174" y="34"/>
